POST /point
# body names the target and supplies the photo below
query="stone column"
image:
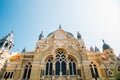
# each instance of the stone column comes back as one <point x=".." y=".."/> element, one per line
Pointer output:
<point x="35" y="72"/>
<point x="86" y="71"/>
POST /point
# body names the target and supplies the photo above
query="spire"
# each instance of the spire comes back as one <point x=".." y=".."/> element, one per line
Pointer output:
<point x="6" y="42"/>
<point x="78" y="35"/>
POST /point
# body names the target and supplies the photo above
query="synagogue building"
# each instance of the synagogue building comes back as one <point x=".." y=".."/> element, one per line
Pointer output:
<point x="59" y="56"/>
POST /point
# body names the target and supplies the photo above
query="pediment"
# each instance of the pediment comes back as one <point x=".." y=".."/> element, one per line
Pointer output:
<point x="58" y="38"/>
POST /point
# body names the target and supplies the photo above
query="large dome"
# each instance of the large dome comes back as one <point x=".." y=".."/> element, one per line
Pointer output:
<point x="50" y="34"/>
<point x="66" y="32"/>
<point x="70" y="33"/>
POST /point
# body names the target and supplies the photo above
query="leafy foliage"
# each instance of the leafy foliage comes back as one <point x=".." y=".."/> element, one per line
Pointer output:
<point x="116" y="73"/>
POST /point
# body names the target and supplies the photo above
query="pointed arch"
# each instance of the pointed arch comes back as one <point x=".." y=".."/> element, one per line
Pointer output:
<point x="63" y="68"/>
<point x="49" y="65"/>
<point x="11" y="75"/>
<point x="72" y="65"/>
<point x="60" y="50"/>
<point x="60" y="63"/>
<point x="27" y="71"/>
<point x="6" y="45"/>
<point x="8" y="75"/>
<point x="94" y="70"/>
<point x="57" y="68"/>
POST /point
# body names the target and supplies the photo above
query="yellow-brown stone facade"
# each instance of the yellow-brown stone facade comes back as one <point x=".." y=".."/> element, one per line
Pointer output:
<point x="60" y="56"/>
<point x="4" y="56"/>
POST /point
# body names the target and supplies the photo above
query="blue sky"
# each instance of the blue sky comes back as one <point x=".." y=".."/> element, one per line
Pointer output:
<point x="94" y="19"/>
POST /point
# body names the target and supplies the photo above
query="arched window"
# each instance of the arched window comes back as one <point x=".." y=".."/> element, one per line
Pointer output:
<point x="110" y="73"/>
<point x="8" y="75"/>
<point x="60" y="64"/>
<point x="57" y="68"/>
<point x="6" y="45"/>
<point x="49" y="66"/>
<point x="11" y="75"/>
<point x="63" y="68"/>
<point x="72" y="67"/>
<point x="94" y="70"/>
<point x="5" y="75"/>
<point x="27" y="71"/>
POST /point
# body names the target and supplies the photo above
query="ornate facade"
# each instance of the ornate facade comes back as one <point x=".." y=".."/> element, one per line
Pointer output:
<point x="61" y="56"/>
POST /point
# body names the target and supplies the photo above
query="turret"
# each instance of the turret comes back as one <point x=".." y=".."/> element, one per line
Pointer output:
<point x="105" y="46"/>
<point x="108" y="52"/>
<point x="24" y="50"/>
<point x="78" y="35"/>
<point x="41" y="36"/>
<point x="96" y="49"/>
<point x="6" y="43"/>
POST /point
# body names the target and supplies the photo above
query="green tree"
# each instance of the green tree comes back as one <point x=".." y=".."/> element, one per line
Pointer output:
<point x="116" y="73"/>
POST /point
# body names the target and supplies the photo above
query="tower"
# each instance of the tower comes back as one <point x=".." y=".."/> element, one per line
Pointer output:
<point x="108" y="52"/>
<point x="59" y="56"/>
<point x="6" y="44"/>
<point x="110" y="60"/>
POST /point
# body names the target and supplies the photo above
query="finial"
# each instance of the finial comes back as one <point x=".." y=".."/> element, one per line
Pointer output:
<point x="78" y="35"/>
<point x="24" y="49"/>
<point x="60" y="26"/>
<point x="91" y="49"/>
<point x="96" y="49"/>
<point x="103" y="41"/>
<point x="41" y="35"/>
